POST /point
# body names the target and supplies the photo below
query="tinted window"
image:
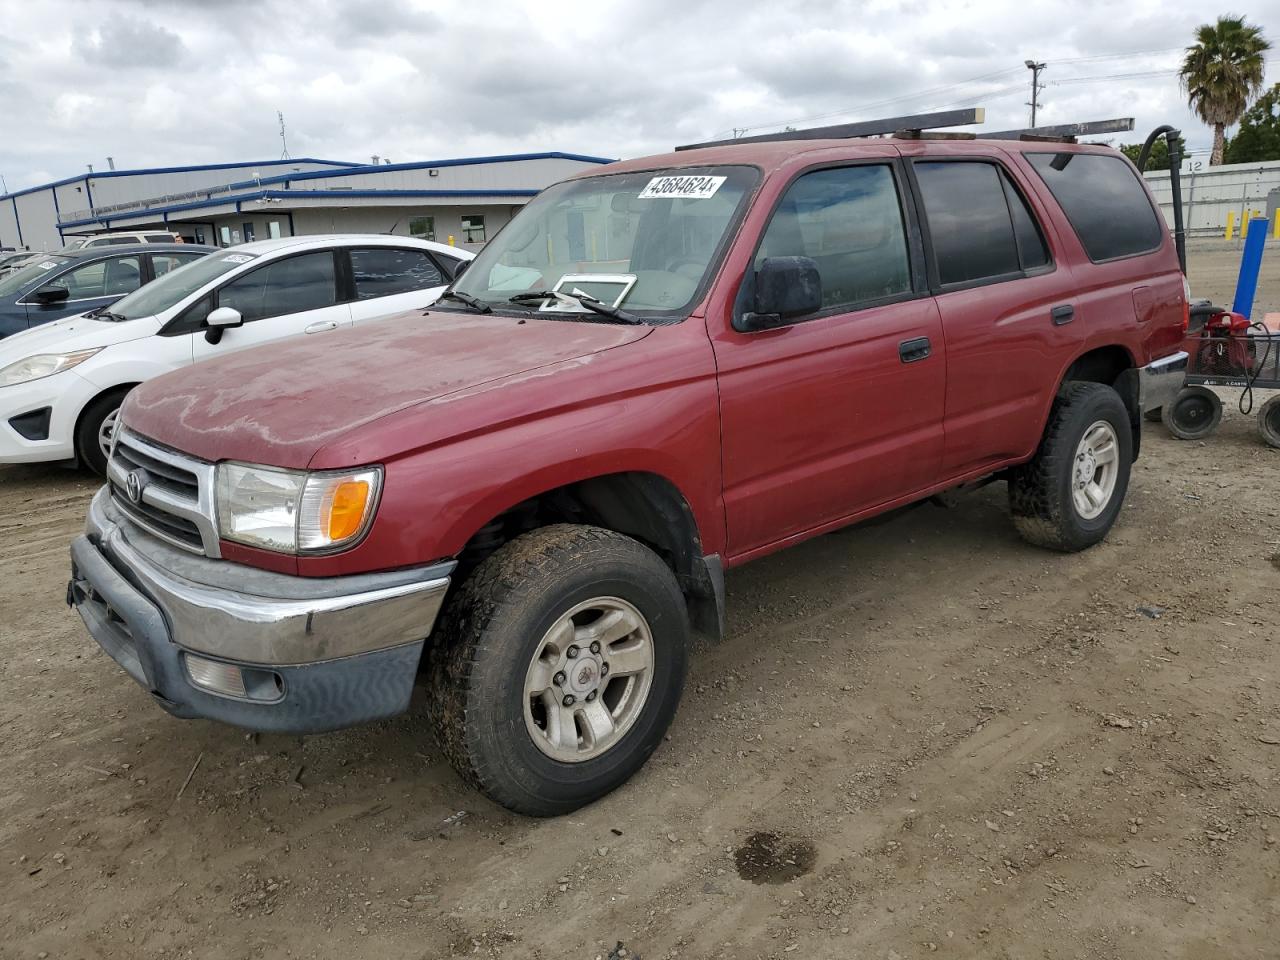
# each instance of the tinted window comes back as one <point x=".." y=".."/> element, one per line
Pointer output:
<point x="159" y="238"/>
<point x="1103" y="200"/>
<point x="293" y="285"/>
<point x="969" y="223"/>
<point x="1032" y="251"/>
<point x="380" y="272"/>
<point x="849" y="221"/>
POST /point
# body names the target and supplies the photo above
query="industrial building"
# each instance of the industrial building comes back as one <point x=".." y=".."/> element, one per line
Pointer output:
<point x="462" y="201"/>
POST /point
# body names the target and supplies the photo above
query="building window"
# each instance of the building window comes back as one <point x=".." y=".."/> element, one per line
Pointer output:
<point x="424" y="228"/>
<point x="473" y="228"/>
<point x="248" y="231"/>
<point x="273" y="229"/>
<point x="224" y="234"/>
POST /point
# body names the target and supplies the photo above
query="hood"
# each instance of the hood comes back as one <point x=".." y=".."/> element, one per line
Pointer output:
<point x="278" y="405"/>
<point x="72" y="333"/>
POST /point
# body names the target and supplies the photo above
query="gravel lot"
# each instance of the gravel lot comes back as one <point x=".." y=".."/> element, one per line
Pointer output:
<point x="919" y="737"/>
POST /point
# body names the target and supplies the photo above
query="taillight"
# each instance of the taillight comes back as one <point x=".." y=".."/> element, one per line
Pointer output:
<point x="1186" y="304"/>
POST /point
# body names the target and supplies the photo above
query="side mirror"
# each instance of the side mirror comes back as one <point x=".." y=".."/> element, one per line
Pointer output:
<point x="219" y="321"/>
<point x="785" y="287"/>
<point x="47" y="295"/>
<point x="459" y="267"/>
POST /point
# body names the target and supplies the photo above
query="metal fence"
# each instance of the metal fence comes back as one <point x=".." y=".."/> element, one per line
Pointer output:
<point x="1212" y="196"/>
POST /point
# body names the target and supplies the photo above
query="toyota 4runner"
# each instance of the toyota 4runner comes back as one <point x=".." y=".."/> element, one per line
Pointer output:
<point x="656" y="372"/>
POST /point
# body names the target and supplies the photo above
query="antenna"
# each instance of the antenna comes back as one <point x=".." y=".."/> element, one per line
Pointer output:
<point x="284" y="144"/>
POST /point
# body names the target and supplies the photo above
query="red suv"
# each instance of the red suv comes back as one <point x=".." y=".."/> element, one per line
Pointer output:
<point x="656" y="372"/>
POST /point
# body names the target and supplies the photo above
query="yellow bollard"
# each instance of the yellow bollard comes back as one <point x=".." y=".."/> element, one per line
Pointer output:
<point x="1275" y="227"/>
<point x="451" y="243"/>
<point x="1244" y="224"/>
<point x="1231" y="224"/>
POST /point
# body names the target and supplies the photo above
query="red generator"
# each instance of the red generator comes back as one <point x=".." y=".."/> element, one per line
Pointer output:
<point x="1225" y="350"/>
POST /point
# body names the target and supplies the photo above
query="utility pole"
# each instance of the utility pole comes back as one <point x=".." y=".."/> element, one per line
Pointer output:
<point x="1036" y="87"/>
<point x="284" y="144"/>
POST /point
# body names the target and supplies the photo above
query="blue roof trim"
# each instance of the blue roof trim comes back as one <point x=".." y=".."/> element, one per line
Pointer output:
<point x="238" y="199"/>
<point x="146" y="171"/>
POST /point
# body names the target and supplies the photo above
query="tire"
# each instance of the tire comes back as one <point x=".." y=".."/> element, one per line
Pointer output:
<point x="90" y="427"/>
<point x="485" y="718"/>
<point x="1194" y="414"/>
<point x="1154" y="416"/>
<point x="1044" y="494"/>
<point x="1269" y="422"/>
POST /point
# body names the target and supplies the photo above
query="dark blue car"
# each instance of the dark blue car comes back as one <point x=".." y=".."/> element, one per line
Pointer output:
<point x="61" y="284"/>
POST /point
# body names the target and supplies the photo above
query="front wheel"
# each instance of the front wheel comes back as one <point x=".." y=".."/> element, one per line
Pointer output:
<point x="561" y="665"/>
<point x="1194" y="414"/>
<point x="1070" y="493"/>
<point x="96" y="429"/>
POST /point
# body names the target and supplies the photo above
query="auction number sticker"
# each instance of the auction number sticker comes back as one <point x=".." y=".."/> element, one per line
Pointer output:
<point x="237" y="258"/>
<point x="681" y="188"/>
<point x="48" y="265"/>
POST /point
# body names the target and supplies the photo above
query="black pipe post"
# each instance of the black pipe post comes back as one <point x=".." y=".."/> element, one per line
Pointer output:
<point x="1171" y="136"/>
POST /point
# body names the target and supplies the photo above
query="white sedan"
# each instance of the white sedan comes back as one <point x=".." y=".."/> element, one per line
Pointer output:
<point x="61" y="384"/>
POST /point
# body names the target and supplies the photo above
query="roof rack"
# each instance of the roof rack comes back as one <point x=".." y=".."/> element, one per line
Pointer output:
<point x="1065" y="132"/>
<point x="926" y="126"/>
<point x="869" y="128"/>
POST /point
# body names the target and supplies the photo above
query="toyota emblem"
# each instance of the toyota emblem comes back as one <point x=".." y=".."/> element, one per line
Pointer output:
<point x="134" y="483"/>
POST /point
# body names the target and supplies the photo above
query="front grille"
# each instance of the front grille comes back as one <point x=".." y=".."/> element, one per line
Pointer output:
<point x="175" y="501"/>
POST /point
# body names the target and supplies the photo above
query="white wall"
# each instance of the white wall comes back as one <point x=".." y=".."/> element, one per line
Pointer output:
<point x="1210" y="193"/>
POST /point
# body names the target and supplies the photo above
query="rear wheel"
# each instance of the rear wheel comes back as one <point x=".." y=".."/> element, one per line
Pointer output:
<point x="562" y="662"/>
<point x="96" y="429"/>
<point x="1194" y="414"/>
<point x="1070" y="493"/>
<point x="1269" y="422"/>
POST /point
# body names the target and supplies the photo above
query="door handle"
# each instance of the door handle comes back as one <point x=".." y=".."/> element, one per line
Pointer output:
<point x="320" y="326"/>
<point x="1064" y="313"/>
<point x="916" y="349"/>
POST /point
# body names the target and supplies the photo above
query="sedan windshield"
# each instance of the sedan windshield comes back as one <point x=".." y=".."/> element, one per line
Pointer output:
<point x="19" y="280"/>
<point x="645" y="243"/>
<point x="176" y="285"/>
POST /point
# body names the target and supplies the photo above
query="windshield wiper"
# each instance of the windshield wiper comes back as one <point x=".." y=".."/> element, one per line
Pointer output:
<point x="589" y="302"/>
<point x="479" y="306"/>
<point x="102" y="313"/>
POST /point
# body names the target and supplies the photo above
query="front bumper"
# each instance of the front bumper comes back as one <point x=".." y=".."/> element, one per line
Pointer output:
<point x="302" y="655"/>
<point x="1160" y="380"/>
<point x="64" y="395"/>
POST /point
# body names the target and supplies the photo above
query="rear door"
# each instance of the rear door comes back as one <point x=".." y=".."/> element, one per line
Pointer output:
<point x="387" y="280"/>
<point x="290" y="296"/>
<point x="834" y="413"/>
<point x="89" y="286"/>
<point x="1008" y="307"/>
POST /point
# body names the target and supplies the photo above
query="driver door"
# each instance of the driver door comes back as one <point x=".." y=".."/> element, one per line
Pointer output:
<point x="292" y="296"/>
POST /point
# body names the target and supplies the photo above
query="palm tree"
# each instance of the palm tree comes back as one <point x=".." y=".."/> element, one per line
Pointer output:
<point x="1222" y="72"/>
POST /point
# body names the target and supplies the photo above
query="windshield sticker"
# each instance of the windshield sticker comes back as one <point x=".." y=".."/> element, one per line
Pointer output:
<point x="607" y="288"/>
<point x="237" y="258"/>
<point x="681" y="188"/>
<point x="48" y="265"/>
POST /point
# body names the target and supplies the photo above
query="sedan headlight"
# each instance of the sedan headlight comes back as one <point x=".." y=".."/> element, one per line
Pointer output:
<point x="42" y="365"/>
<point x="295" y="511"/>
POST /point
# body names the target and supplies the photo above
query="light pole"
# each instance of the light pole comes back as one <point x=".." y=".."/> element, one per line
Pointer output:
<point x="1035" y="69"/>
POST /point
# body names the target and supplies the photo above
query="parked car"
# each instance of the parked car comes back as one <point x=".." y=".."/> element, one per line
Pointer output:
<point x="11" y="258"/>
<point x="657" y="371"/>
<point x="58" y="285"/>
<point x="61" y="385"/>
<point x="120" y="238"/>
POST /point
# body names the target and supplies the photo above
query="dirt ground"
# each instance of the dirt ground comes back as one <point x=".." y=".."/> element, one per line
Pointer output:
<point x="918" y="737"/>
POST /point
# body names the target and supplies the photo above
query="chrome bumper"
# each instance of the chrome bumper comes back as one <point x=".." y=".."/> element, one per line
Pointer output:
<point x="1160" y="380"/>
<point x="241" y="613"/>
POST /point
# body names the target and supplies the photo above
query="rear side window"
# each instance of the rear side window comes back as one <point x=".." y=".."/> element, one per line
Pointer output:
<point x="969" y="223"/>
<point x="1103" y="200"/>
<point x="383" y="271"/>
<point x="849" y="221"/>
<point x="293" y="285"/>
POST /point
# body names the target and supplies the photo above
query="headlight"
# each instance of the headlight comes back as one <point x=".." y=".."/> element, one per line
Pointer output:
<point x="42" y="365"/>
<point x="293" y="511"/>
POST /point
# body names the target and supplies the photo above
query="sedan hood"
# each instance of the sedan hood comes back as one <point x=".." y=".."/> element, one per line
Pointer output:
<point x="280" y="404"/>
<point x="72" y="333"/>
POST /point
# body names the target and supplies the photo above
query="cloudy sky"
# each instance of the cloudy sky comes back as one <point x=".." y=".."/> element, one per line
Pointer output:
<point x="168" y="82"/>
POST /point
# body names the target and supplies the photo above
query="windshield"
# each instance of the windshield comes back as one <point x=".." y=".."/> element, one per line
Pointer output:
<point x="176" y="285"/>
<point x="644" y="242"/>
<point x="20" y="279"/>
